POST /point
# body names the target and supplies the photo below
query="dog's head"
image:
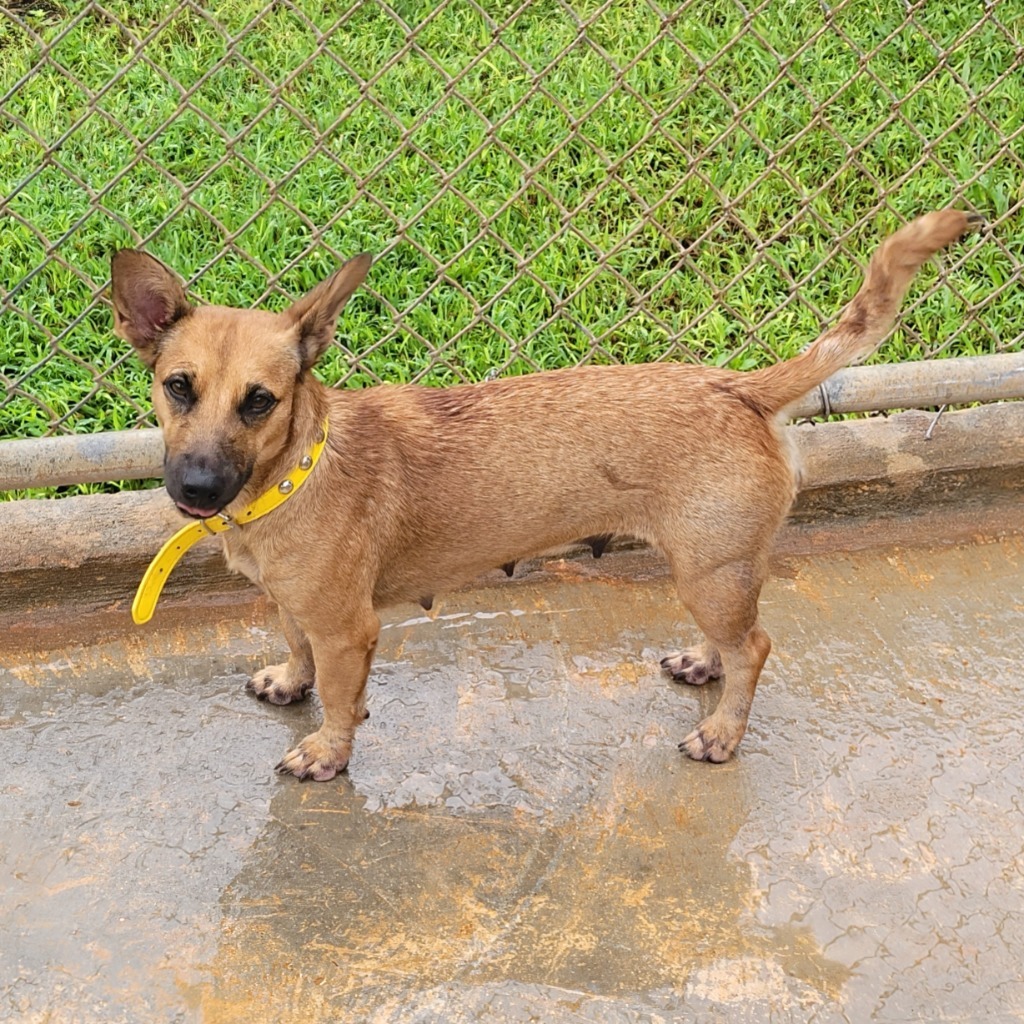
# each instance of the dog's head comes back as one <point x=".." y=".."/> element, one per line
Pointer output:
<point x="224" y="380"/>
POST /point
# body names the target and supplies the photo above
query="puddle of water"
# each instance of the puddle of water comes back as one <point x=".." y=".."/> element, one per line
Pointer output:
<point x="518" y="838"/>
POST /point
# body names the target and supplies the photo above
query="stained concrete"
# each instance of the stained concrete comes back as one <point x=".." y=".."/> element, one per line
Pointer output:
<point x="517" y="838"/>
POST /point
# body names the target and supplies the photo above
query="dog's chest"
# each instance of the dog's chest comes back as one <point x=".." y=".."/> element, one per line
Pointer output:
<point x="240" y="559"/>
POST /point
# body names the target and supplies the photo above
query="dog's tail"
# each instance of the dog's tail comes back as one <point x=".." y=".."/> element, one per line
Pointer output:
<point x="866" y="320"/>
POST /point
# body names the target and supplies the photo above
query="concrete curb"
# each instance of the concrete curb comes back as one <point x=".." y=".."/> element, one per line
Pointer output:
<point x="865" y="482"/>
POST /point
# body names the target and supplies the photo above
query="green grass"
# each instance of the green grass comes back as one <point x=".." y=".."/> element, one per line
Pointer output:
<point x="288" y="158"/>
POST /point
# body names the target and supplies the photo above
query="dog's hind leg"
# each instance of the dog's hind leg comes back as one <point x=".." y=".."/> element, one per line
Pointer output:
<point x="724" y="605"/>
<point x="283" y="684"/>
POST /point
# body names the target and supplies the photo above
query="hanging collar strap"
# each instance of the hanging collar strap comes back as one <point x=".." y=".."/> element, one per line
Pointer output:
<point x="170" y="554"/>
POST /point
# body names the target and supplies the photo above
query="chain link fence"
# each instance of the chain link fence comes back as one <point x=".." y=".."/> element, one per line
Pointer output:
<point x="543" y="182"/>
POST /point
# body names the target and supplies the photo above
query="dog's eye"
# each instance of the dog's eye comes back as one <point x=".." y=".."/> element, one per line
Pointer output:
<point x="179" y="388"/>
<point x="258" y="402"/>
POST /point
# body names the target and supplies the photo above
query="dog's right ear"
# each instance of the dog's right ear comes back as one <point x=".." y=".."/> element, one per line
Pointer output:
<point x="147" y="298"/>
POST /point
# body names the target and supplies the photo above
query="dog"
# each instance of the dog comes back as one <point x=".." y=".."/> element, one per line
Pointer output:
<point x="420" y="489"/>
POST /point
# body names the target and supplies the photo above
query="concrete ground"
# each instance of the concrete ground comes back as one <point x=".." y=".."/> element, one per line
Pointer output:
<point x="517" y="838"/>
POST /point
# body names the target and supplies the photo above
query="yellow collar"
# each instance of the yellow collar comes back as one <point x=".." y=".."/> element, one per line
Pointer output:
<point x="169" y="555"/>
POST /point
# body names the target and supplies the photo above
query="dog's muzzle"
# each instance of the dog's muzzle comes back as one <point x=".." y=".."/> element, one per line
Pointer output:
<point x="200" y="485"/>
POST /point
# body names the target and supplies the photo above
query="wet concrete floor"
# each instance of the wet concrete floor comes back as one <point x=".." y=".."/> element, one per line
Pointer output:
<point x="517" y="838"/>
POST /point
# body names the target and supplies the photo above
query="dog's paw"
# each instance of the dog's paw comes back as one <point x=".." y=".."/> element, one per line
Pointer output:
<point x="272" y="683"/>
<point x="693" y="666"/>
<point x="710" y="741"/>
<point x="315" y="758"/>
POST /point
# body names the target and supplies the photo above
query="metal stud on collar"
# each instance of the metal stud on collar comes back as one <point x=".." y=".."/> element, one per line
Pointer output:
<point x="305" y="462"/>
<point x="285" y="486"/>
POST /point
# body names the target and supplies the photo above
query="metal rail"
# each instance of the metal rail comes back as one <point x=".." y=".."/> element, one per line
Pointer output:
<point x="138" y="454"/>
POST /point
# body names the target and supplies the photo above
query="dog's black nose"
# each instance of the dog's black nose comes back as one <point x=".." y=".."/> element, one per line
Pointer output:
<point x="202" y="483"/>
<point x="202" y="487"/>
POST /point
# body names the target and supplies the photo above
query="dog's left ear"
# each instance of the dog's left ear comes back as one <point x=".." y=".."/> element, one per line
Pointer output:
<point x="316" y="313"/>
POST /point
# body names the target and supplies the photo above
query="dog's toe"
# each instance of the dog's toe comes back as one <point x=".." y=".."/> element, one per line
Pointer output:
<point x="274" y="685"/>
<point x="676" y="663"/>
<point x="315" y="759"/>
<point x="315" y="771"/>
<point x="257" y="690"/>
<point x="707" y="743"/>
<point x="694" y="674"/>
<point x="692" y="667"/>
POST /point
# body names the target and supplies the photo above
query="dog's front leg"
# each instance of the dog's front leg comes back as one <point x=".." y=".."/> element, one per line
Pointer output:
<point x="282" y="684"/>
<point x="342" y="652"/>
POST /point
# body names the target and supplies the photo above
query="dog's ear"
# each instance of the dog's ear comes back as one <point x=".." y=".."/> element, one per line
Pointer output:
<point x="316" y="312"/>
<point x="147" y="298"/>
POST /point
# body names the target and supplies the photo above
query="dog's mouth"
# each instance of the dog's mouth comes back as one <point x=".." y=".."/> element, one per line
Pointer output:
<point x="201" y="486"/>
<point x="195" y="513"/>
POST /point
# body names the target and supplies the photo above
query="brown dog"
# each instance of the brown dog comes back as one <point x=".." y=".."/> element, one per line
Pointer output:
<point x="419" y="490"/>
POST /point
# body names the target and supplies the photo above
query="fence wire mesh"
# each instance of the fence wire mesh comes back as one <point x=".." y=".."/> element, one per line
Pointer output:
<point x="543" y="182"/>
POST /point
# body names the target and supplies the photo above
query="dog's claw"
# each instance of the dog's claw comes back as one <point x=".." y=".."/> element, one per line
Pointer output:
<point x="323" y="773"/>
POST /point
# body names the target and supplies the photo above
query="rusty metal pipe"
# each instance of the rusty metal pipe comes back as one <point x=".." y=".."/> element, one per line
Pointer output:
<point x="958" y="381"/>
